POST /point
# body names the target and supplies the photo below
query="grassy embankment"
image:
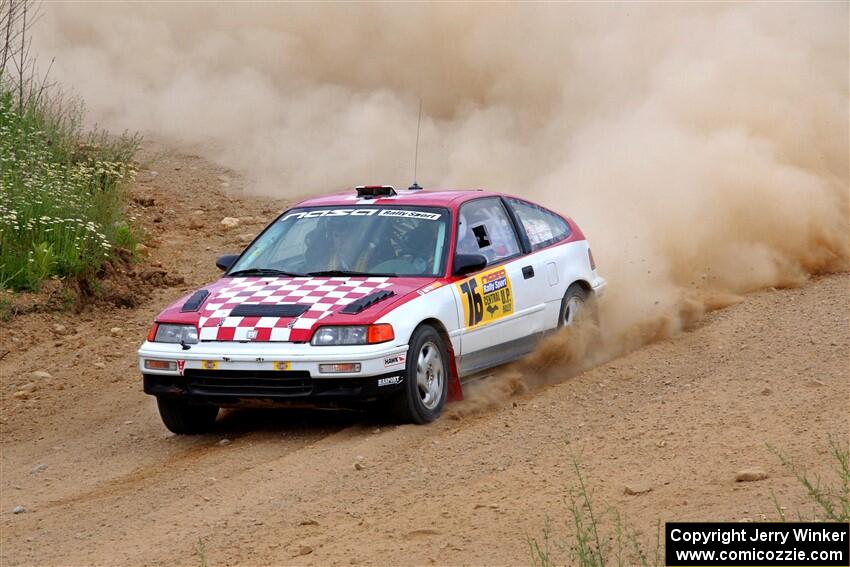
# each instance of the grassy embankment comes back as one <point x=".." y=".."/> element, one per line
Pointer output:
<point x="62" y="189"/>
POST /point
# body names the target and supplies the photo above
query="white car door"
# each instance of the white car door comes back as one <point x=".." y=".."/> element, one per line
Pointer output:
<point x="499" y="311"/>
<point x="552" y="265"/>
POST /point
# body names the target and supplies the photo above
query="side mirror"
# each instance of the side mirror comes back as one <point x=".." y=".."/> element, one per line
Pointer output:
<point x="225" y="262"/>
<point x="468" y="263"/>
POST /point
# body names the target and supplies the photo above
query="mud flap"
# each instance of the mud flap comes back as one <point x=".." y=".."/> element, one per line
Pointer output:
<point x="455" y="391"/>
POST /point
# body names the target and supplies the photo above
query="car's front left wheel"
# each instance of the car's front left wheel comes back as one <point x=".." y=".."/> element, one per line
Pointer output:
<point x="184" y="418"/>
<point x="426" y="378"/>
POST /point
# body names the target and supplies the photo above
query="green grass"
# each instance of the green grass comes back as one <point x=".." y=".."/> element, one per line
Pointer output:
<point x="831" y="502"/>
<point x="598" y="539"/>
<point x="62" y="191"/>
<point x="201" y="552"/>
<point x="604" y="540"/>
<point x="6" y="310"/>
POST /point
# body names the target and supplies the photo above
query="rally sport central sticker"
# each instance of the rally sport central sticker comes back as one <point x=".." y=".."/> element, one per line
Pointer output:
<point x="486" y="297"/>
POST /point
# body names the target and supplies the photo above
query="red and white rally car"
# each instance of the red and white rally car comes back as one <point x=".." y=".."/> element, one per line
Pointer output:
<point x="370" y="295"/>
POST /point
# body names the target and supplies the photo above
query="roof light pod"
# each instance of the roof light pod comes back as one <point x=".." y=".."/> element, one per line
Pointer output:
<point x="375" y="191"/>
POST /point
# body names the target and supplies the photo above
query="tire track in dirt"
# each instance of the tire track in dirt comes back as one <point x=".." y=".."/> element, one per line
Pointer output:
<point x="154" y="494"/>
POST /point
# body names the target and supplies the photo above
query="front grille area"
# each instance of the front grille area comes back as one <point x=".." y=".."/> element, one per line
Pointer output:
<point x="234" y="386"/>
<point x="247" y="383"/>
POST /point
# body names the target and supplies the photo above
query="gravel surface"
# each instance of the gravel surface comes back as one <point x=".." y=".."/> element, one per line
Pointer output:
<point x="678" y="430"/>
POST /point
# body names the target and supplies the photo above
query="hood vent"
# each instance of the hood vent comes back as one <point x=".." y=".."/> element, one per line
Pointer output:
<point x="359" y="305"/>
<point x="258" y="310"/>
<point x="195" y="301"/>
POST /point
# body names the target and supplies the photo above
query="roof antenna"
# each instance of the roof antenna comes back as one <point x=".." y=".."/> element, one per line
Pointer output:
<point x="415" y="186"/>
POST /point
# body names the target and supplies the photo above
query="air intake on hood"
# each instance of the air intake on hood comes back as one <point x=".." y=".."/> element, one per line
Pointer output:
<point x="258" y="310"/>
<point x="364" y="302"/>
<point x="195" y="301"/>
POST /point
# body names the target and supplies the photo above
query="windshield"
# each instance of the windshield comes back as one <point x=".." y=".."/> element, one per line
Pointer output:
<point x="360" y="240"/>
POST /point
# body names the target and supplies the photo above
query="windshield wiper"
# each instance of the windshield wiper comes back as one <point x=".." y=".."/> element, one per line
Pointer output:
<point x="262" y="272"/>
<point x="347" y="273"/>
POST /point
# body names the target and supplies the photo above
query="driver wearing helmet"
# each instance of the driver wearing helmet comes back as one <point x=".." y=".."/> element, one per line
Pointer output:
<point x="328" y="244"/>
<point x="418" y="247"/>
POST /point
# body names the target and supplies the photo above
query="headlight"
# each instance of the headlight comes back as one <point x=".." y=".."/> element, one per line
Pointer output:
<point x="326" y="336"/>
<point x="353" y="335"/>
<point x="168" y="333"/>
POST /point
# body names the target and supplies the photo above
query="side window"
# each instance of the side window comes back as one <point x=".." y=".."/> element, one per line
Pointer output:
<point x="484" y="228"/>
<point x="542" y="226"/>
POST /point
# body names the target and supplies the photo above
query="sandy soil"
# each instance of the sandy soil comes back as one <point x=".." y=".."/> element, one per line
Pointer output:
<point x="104" y="483"/>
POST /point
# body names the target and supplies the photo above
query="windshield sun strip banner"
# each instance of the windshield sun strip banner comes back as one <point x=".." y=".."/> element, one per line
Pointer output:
<point x="381" y="212"/>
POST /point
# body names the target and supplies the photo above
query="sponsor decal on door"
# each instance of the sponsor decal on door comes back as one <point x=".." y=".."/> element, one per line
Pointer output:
<point x="486" y="297"/>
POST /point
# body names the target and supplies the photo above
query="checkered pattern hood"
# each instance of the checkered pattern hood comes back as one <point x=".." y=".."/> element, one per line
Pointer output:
<point x="321" y="297"/>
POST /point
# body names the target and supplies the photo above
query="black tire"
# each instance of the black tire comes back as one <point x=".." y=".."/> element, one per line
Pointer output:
<point x="422" y="401"/>
<point x="576" y="300"/>
<point x="183" y="418"/>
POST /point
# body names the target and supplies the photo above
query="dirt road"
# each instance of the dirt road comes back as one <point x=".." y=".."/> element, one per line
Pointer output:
<point x="103" y="482"/>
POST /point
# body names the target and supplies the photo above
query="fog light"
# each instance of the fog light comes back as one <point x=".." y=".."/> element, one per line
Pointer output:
<point x="340" y="367"/>
<point x="160" y="364"/>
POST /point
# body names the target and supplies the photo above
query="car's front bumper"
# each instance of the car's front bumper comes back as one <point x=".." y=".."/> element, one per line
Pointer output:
<point x="374" y="360"/>
<point x="233" y="373"/>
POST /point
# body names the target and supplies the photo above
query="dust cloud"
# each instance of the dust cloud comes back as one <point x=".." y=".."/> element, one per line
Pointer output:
<point x="703" y="148"/>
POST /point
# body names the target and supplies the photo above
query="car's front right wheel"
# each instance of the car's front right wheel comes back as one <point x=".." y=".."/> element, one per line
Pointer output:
<point x="184" y="418"/>
<point x="426" y="378"/>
